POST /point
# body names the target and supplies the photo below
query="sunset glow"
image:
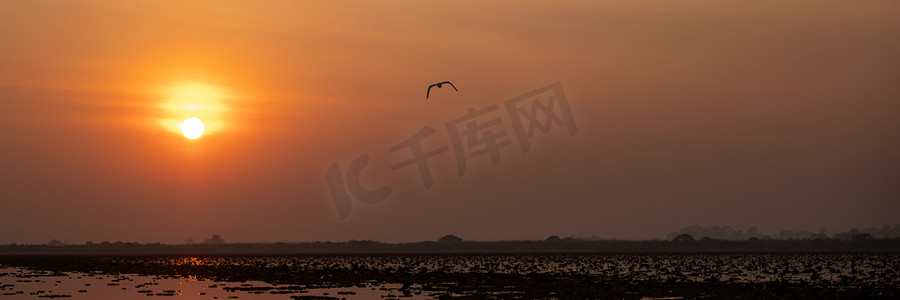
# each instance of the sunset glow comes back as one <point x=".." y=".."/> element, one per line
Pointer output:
<point x="568" y="149"/>
<point x="188" y="104"/>
<point x="269" y="121"/>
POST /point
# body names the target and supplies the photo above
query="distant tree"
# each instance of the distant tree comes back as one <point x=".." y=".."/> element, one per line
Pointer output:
<point x="56" y="243"/>
<point x="553" y="238"/>
<point x="819" y="236"/>
<point x="862" y="237"/>
<point x="450" y="239"/>
<point x="753" y="232"/>
<point x="843" y="236"/>
<point x="215" y="240"/>
<point x="189" y="241"/>
<point x="684" y="237"/>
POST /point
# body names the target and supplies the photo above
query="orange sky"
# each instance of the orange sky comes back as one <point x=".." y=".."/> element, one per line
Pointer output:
<point x="780" y="116"/>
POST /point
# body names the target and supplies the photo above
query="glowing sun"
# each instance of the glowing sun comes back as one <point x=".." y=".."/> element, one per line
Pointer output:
<point x="192" y="128"/>
<point x="188" y="104"/>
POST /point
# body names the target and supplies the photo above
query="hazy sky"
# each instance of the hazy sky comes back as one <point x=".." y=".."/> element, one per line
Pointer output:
<point x="776" y="115"/>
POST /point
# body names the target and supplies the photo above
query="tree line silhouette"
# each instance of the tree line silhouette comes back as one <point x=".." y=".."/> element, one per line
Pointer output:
<point x="727" y="233"/>
<point x="681" y="243"/>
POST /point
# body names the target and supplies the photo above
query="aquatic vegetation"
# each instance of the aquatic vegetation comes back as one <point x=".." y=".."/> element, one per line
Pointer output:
<point x="505" y="276"/>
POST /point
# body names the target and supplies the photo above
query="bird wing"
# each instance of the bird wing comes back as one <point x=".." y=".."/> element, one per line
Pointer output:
<point x="429" y="91"/>
<point x="451" y="84"/>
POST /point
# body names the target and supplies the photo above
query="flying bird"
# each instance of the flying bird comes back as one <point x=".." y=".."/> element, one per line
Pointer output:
<point x="438" y="85"/>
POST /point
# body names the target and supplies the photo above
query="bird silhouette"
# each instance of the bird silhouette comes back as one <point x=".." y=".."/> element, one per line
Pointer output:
<point x="438" y="85"/>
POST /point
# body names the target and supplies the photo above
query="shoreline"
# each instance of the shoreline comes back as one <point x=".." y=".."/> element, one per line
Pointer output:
<point x="467" y="247"/>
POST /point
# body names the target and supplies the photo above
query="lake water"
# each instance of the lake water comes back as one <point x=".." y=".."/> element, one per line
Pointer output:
<point x="448" y="276"/>
<point x="18" y="283"/>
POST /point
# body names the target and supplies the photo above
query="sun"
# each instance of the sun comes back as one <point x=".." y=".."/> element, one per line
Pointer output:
<point x="188" y="104"/>
<point x="192" y="128"/>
